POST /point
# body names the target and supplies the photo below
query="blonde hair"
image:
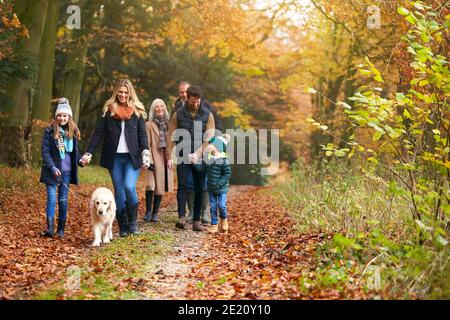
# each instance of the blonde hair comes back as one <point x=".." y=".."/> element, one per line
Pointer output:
<point x="72" y="129"/>
<point x="133" y="101"/>
<point x="151" y="112"/>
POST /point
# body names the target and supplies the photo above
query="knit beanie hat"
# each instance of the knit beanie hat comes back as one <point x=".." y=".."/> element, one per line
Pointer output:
<point x="63" y="107"/>
<point x="220" y="142"/>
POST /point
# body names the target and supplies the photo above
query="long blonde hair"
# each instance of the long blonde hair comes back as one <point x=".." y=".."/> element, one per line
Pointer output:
<point x="72" y="129"/>
<point x="133" y="101"/>
<point x="151" y="113"/>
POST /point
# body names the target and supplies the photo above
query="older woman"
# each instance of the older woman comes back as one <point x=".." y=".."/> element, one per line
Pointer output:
<point x="125" y="150"/>
<point x="159" y="177"/>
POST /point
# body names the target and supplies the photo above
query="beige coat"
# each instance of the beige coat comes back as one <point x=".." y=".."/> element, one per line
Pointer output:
<point x="156" y="178"/>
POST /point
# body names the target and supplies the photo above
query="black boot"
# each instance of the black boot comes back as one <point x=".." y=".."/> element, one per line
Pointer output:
<point x="132" y="213"/>
<point x="156" y="205"/>
<point x="148" y="205"/>
<point x="50" y="226"/>
<point x="61" y="227"/>
<point x="122" y="219"/>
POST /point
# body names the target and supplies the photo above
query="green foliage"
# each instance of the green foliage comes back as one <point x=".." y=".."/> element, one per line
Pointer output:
<point x="410" y="165"/>
<point x="412" y="129"/>
<point x="375" y="244"/>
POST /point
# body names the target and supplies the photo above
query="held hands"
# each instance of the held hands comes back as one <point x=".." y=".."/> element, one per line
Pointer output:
<point x="146" y="158"/>
<point x="86" y="159"/>
<point x="193" y="157"/>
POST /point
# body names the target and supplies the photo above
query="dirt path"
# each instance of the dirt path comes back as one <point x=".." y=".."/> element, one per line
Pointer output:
<point x="262" y="257"/>
<point x="172" y="276"/>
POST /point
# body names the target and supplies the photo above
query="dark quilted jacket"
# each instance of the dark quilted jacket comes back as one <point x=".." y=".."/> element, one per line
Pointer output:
<point x="218" y="172"/>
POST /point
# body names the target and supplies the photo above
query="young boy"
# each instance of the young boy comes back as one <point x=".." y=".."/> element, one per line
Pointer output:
<point x="218" y="172"/>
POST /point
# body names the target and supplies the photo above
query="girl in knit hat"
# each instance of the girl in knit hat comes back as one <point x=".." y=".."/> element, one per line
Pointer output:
<point x="218" y="173"/>
<point x="59" y="169"/>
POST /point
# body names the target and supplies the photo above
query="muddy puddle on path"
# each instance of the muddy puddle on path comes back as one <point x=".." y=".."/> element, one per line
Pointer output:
<point x="170" y="277"/>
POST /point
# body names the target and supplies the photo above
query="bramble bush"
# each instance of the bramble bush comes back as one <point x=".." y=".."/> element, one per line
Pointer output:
<point x="392" y="212"/>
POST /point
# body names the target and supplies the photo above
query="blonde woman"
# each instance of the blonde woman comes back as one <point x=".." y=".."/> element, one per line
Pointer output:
<point x="125" y="150"/>
<point x="159" y="177"/>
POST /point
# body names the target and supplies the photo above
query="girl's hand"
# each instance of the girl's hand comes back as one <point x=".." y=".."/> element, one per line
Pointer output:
<point x="56" y="171"/>
<point x="86" y="159"/>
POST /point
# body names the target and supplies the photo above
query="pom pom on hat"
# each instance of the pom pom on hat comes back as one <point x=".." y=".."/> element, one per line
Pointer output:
<point x="220" y="142"/>
<point x="63" y="107"/>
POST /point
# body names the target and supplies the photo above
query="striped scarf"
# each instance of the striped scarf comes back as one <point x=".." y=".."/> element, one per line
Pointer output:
<point x="64" y="144"/>
<point x="162" y="126"/>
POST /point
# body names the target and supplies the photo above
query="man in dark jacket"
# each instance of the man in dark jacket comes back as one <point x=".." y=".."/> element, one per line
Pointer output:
<point x="197" y="122"/>
<point x="182" y="100"/>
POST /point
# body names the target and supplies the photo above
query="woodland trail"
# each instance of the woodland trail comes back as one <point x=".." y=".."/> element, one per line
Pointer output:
<point x="261" y="257"/>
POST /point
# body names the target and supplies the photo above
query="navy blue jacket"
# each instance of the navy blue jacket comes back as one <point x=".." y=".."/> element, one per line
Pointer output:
<point x="51" y="158"/>
<point x="108" y="129"/>
<point x="203" y="103"/>
<point x="218" y="172"/>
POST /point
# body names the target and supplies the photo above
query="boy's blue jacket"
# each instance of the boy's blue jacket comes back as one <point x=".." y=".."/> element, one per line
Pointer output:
<point x="50" y="158"/>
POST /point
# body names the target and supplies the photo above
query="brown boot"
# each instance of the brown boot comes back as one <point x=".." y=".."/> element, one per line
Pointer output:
<point x="224" y="224"/>
<point x="214" y="228"/>
<point x="181" y="224"/>
<point x="197" y="226"/>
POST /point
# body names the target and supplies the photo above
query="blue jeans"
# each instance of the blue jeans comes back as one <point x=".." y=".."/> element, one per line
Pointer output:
<point x="218" y="201"/>
<point x="63" y="193"/>
<point x="124" y="177"/>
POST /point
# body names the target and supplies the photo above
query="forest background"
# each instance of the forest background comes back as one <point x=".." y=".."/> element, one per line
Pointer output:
<point x="359" y="90"/>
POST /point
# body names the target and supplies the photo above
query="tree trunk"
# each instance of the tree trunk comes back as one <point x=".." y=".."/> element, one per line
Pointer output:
<point x="42" y="99"/>
<point x="12" y="131"/>
<point x="75" y="64"/>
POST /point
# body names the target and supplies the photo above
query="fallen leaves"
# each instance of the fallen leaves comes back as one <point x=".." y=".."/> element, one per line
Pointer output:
<point x="261" y="257"/>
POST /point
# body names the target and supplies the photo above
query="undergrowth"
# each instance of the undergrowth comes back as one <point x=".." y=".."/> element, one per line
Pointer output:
<point x="376" y="244"/>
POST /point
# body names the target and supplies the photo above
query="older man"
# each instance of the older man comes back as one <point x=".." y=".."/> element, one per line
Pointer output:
<point x="182" y="96"/>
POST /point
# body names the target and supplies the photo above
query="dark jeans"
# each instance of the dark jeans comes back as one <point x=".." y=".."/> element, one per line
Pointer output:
<point x="63" y="193"/>
<point x="183" y="171"/>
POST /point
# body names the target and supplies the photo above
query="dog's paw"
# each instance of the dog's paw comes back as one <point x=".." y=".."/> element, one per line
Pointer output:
<point x="106" y="240"/>
<point x="96" y="243"/>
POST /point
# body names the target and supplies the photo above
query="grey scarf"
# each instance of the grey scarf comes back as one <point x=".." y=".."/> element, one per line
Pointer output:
<point x="162" y="126"/>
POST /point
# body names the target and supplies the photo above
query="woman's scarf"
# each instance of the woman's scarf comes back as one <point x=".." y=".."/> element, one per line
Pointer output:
<point x="162" y="126"/>
<point x="123" y="113"/>
<point x="64" y="144"/>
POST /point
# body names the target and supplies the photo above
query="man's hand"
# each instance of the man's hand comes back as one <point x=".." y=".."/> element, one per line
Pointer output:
<point x="193" y="157"/>
<point x="170" y="164"/>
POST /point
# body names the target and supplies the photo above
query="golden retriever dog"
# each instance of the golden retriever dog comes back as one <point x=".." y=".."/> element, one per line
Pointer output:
<point x="103" y="210"/>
